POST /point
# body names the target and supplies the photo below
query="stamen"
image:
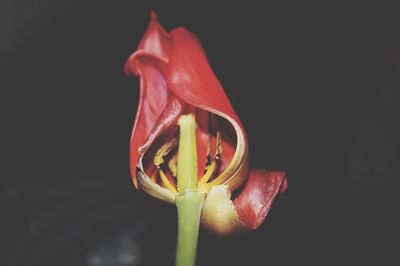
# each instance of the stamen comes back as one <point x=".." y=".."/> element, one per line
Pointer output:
<point x="164" y="151"/>
<point x="208" y="172"/>
<point x="182" y="165"/>
<point x="159" y="161"/>
<point x="208" y="158"/>
<point x="211" y="164"/>
<point x="166" y="182"/>
<point x="218" y="150"/>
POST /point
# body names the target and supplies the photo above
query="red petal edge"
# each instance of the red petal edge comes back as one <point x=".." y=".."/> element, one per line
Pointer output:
<point x="255" y="200"/>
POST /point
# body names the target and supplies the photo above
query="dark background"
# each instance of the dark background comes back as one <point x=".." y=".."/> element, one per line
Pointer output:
<point x="315" y="85"/>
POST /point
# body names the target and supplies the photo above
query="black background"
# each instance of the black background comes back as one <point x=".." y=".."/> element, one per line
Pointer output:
<point x="316" y="86"/>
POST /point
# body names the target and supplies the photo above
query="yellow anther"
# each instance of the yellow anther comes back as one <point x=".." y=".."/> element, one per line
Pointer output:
<point x="173" y="165"/>
<point x="218" y="149"/>
<point x="211" y="163"/>
<point x="166" y="181"/>
<point x="164" y="151"/>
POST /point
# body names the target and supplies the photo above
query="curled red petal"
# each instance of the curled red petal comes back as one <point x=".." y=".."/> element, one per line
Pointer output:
<point x="147" y="62"/>
<point x="155" y="41"/>
<point x="191" y="78"/>
<point x="255" y="200"/>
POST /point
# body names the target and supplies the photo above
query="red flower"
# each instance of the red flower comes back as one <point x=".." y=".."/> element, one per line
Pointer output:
<point x="176" y="79"/>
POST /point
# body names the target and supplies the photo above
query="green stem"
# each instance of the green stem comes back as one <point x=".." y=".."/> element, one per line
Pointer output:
<point x="189" y="205"/>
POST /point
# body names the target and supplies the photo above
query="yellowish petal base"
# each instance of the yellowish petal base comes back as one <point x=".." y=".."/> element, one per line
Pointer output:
<point x="219" y="215"/>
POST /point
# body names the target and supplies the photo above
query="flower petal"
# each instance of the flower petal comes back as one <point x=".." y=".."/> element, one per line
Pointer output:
<point x="190" y="77"/>
<point x="154" y="96"/>
<point x="167" y="118"/>
<point x="219" y="215"/>
<point x="155" y="41"/>
<point x="255" y="200"/>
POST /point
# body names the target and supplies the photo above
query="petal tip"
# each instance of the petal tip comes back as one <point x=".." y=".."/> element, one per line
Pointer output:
<point x="153" y="15"/>
<point x="284" y="184"/>
<point x="128" y="67"/>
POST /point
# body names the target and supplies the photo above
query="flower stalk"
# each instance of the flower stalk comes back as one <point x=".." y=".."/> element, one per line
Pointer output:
<point x="189" y="207"/>
<point x="189" y="202"/>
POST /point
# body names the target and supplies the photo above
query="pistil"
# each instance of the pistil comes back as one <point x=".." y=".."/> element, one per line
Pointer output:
<point x="187" y="153"/>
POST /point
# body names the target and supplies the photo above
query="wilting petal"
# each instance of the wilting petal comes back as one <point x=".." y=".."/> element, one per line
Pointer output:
<point x="219" y="215"/>
<point x="254" y="202"/>
<point x="222" y="216"/>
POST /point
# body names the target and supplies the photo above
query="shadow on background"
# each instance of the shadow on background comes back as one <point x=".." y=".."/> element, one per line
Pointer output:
<point x="315" y="85"/>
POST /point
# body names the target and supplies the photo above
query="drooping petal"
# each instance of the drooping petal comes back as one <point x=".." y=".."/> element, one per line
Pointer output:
<point x="248" y="210"/>
<point x="255" y="200"/>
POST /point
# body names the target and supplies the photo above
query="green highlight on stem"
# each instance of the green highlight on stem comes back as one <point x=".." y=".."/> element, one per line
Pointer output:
<point x="189" y="201"/>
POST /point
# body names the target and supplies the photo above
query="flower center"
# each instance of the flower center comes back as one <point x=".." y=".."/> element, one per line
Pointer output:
<point x="176" y="160"/>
